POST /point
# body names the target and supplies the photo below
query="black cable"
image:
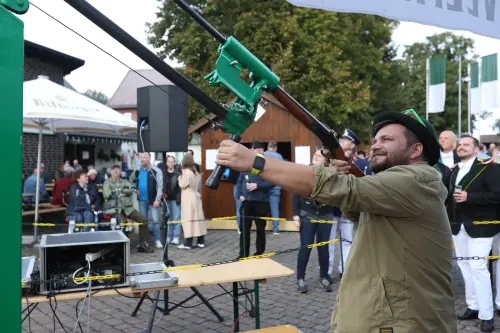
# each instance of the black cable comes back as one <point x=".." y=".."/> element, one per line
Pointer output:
<point x="29" y="313"/>
<point x="77" y="303"/>
<point x="109" y="54"/>
<point x="54" y="314"/>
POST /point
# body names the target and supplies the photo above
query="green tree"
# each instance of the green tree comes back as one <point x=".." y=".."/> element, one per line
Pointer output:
<point x="414" y="59"/>
<point x="330" y="62"/>
<point x="496" y="125"/>
<point x="98" y="96"/>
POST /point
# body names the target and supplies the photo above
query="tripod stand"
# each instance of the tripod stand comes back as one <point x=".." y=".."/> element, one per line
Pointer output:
<point x="169" y="263"/>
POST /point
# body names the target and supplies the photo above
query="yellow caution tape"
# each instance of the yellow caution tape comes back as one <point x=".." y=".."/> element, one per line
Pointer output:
<point x="97" y="277"/>
<point x="324" y="221"/>
<point x="310" y="246"/>
<point x="224" y="218"/>
<point x="487" y="222"/>
<point x="44" y="224"/>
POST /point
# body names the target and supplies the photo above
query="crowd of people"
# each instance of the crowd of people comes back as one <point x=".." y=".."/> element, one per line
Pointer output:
<point x="144" y="196"/>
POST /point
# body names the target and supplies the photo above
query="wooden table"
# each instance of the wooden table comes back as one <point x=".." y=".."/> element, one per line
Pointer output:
<point x="257" y="270"/>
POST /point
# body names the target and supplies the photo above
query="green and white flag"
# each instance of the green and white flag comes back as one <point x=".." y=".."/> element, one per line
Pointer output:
<point x="436" y="84"/>
<point x="490" y="85"/>
<point x="475" y="89"/>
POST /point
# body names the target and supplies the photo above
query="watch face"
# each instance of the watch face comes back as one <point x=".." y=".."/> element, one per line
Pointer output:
<point x="259" y="163"/>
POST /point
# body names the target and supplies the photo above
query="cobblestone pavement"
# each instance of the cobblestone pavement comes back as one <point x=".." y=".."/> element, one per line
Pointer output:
<point x="280" y="303"/>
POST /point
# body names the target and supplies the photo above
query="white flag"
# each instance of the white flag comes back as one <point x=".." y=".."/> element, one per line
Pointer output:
<point x="480" y="17"/>
<point x="436" y="84"/>
<point x="490" y="87"/>
<point x="475" y="89"/>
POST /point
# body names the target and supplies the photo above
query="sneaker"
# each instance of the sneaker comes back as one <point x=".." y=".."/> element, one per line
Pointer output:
<point x="325" y="284"/>
<point x="175" y="241"/>
<point x="144" y="248"/>
<point x="276" y="233"/>
<point x="201" y="245"/>
<point x="169" y="241"/>
<point x="184" y="247"/>
<point x="301" y="286"/>
<point x="158" y="244"/>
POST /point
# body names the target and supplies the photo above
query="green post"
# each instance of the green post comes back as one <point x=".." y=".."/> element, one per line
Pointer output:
<point x="257" y="305"/>
<point x="11" y="116"/>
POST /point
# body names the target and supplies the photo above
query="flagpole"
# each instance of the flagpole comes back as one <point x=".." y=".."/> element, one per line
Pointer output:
<point x="469" y="103"/>
<point x="427" y="71"/>
<point x="460" y="95"/>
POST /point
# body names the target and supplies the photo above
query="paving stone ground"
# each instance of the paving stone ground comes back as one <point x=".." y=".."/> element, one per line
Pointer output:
<point x="279" y="301"/>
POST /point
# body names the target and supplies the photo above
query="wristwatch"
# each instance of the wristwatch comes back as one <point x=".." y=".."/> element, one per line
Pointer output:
<point x="258" y="164"/>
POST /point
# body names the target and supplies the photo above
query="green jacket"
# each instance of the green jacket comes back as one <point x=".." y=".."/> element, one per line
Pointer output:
<point x="399" y="275"/>
<point x="125" y="197"/>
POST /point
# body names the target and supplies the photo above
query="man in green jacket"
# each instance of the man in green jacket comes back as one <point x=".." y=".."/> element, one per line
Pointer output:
<point x="399" y="275"/>
<point x="116" y="186"/>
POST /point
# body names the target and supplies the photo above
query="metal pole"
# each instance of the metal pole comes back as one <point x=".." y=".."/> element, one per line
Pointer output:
<point x="37" y="193"/>
<point x="120" y="35"/>
<point x="459" y="95"/>
<point x="469" y="104"/>
<point x="427" y="64"/>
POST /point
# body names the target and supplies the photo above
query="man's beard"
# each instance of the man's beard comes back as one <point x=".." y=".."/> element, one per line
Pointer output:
<point x="464" y="156"/>
<point x="391" y="160"/>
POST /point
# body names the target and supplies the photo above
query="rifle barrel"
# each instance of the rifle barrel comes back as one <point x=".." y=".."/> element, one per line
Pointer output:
<point x="112" y="29"/>
<point x="326" y="136"/>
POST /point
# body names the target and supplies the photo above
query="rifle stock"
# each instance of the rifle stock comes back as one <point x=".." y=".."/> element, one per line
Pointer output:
<point x="326" y="136"/>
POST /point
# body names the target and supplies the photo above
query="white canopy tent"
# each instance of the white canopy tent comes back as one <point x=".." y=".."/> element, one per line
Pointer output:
<point x="50" y="108"/>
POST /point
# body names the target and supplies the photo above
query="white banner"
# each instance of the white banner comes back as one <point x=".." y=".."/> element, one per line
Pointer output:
<point x="478" y="16"/>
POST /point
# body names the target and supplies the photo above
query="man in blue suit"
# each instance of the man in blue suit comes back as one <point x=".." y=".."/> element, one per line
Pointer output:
<point x="349" y="142"/>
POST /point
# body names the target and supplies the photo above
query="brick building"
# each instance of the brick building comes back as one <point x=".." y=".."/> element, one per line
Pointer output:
<point x="41" y="60"/>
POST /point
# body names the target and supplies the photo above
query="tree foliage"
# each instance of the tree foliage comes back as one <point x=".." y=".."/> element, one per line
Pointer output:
<point x="413" y="67"/>
<point x="335" y="64"/>
<point x="98" y="96"/>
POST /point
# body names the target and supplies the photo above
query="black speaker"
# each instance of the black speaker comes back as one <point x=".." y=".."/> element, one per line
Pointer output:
<point x="164" y="116"/>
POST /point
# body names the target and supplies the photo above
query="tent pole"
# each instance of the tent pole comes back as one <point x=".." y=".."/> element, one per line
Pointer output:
<point x="37" y="193"/>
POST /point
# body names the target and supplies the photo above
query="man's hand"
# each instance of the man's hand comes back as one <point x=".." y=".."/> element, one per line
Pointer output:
<point x="296" y="220"/>
<point x="340" y="167"/>
<point x="251" y="187"/>
<point x="242" y="198"/>
<point x="156" y="204"/>
<point x="235" y="156"/>
<point x="460" y="196"/>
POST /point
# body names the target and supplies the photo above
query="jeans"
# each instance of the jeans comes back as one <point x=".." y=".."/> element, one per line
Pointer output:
<point x="153" y="220"/>
<point x="174" y="230"/>
<point x="87" y="216"/>
<point x="238" y="215"/>
<point x="274" y="199"/>
<point x="308" y="231"/>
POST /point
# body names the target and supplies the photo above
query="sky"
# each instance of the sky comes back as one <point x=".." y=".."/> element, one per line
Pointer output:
<point x="101" y="72"/>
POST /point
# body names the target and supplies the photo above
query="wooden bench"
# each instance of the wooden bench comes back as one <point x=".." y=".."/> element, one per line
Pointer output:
<point x="47" y="208"/>
<point x="277" y="329"/>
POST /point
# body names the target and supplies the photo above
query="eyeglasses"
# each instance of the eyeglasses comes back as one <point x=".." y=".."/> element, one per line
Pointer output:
<point x="413" y="114"/>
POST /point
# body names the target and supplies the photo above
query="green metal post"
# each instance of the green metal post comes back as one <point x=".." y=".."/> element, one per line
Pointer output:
<point x="257" y="305"/>
<point x="11" y="97"/>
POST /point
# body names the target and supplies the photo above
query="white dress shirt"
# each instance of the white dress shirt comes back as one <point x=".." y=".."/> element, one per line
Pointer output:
<point x="447" y="159"/>
<point x="464" y="168"/>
